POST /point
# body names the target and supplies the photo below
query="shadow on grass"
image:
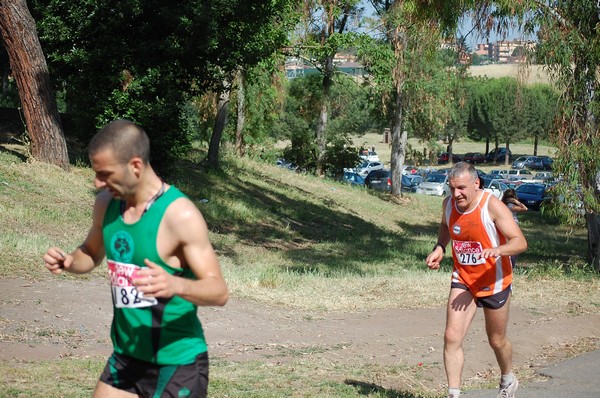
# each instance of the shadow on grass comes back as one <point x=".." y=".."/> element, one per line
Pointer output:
<point x="363" y="388"/>
<point x="549" y="241"/>
<point x="325" y="235"/>
<point x="330" y="236"/>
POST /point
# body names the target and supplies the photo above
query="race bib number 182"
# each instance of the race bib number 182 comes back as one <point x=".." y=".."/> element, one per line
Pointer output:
<point x="125" y="294"/>
<point x="468" y="252"/>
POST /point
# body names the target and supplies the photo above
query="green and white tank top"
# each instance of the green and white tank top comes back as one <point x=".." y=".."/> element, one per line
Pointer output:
<point x="160" y="331"/>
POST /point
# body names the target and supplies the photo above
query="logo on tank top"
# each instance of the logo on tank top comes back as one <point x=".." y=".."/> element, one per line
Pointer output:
<point x="456" y="229"/>
<point x="121" y="247"/>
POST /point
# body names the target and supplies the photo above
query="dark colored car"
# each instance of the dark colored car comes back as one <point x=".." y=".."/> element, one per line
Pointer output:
<point x="542" y="163"/>
<point x="474" y="157"/>
<point x="443" y="158"/>
<point x="533" y="195"/>
<point x="497" y="155"/>
<point x="381" y="180"/>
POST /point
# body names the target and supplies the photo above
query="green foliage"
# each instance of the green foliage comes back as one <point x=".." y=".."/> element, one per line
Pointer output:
<point x="350" y="115"/>
<point x="340" y="154"/>
<point x="264" y="91"/>
<point x="504" y="111"/>
<point x="143" y="60"/>
<point x="570" y="47"/>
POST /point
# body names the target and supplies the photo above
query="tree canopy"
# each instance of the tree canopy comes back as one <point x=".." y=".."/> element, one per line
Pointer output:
<point x="143" y="60"/>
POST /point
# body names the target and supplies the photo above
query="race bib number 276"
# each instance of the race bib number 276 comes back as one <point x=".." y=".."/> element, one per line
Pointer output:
<point x="468" y="252"/>
<point x="124" y="292"/>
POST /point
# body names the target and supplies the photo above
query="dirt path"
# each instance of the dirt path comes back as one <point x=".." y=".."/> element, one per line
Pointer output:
<point x="58" y="317"/>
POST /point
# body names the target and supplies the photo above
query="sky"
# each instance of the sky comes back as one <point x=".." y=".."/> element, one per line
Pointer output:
<point x="465" y="26"/>
<point x="474" y="37"/>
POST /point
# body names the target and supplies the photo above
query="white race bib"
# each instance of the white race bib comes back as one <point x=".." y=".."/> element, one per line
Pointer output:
<point x="125" y="293"/>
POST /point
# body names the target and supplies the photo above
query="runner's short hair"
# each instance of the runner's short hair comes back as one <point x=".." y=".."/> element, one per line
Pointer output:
<point x="461" y="168"/>
<point x="125" y="138"/>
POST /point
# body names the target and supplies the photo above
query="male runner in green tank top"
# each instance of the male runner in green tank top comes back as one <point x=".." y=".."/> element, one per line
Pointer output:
<point x="161" y="266"/>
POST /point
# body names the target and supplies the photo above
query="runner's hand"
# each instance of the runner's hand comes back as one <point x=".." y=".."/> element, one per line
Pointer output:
<point x="435" y="258"/>
<point x="154" y="281"/>
<point x="57" y="261"/>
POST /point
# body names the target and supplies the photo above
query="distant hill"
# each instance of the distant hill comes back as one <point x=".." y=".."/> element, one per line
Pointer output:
<point x="536" y="73"/>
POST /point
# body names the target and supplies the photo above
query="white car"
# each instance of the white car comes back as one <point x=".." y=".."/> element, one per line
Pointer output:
<point x="519" y="174"/>
<point x="499" y="173"/>
<point x="369" y="156"/>
<point x="495" y="187"/>
<point x="365" y="167"/>
<point x="434" y="184"/>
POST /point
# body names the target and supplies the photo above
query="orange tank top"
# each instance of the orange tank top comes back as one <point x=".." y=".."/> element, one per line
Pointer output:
<point x="471" y="232"/>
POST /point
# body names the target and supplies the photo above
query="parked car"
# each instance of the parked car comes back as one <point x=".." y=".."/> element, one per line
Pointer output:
<point x="409" y="170"/>
<point x="443" y="158"/>
<point x="542" y="163"/>
<point x="524" y="162"/>
<point x="544" y="176"/>
<point x="519" y="174"/>
<point x="474" y="157"/>
<point x="411" y="182"/>
<point x="365" y="167"/>
<point x="434" y="184"/>
<point x="494" y="186"/>
<point x="499" y="173"/>
<point x="370" y="156"/>
<point x="533" y="195"/>
<point x="497" y="155"/>
<point x="286" y="165"/>
<point x="353" y="178"/>
<point x="380" y="180"/>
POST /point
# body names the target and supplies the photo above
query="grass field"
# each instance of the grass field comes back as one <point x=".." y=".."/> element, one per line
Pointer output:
<point x="529" y="73"/>
<point x="460" y="148"/>
<point x="283" y="238"/>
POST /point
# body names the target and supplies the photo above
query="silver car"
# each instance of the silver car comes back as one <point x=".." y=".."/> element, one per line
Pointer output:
<point x="524" y="161"/>
<point x="434" y="184"/>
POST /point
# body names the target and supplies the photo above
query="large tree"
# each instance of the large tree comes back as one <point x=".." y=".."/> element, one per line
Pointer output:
<point x="325" y="30"/>
<point x="30" y="71"/>
<point x="570" y="47"/>
<point x="406" y="67"/>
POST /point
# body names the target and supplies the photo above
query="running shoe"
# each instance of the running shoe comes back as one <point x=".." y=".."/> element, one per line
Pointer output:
<point x="509" y="390"/>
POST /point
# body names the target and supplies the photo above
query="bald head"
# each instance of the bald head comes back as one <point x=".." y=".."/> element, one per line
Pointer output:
<point x="124" y="138"/>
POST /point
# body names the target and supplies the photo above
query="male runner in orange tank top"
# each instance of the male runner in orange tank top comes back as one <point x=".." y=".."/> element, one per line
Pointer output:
<point x="484" y="235"/>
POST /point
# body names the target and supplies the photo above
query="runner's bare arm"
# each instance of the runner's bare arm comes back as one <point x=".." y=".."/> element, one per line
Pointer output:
<point x="90" y="253"/>
<point x="185" y="224"/>
<point x="515" y="241"/>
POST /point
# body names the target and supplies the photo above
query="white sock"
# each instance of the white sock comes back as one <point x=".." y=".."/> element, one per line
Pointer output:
<point x="454" y="392"/>
<point x="507" y="380"/>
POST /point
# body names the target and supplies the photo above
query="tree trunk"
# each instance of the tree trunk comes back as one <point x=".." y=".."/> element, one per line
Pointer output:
<point x="323" y="116"/>
<point x="450" y="150"/>
<point x="399" y="140"/>
<point x="240" y="148"/>
<point x="220" y="122"/>
<point x="33" y="82"/>
<point x="536" y="139"/>
<point x="593" y="227"/>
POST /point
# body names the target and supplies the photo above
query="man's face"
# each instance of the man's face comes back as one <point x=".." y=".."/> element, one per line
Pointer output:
<point x="111" y="174"/>
<point x="463" y="189"/>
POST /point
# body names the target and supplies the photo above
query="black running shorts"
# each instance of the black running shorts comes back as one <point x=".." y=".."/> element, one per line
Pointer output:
<point x="495" y="301"/>
<point x="151" y="380"/>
